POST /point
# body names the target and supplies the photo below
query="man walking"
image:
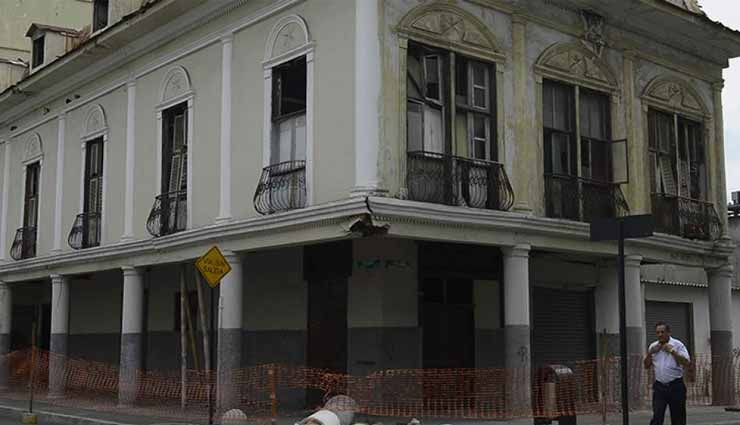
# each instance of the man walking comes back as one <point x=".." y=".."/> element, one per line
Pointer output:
<point x="669" y="356"/>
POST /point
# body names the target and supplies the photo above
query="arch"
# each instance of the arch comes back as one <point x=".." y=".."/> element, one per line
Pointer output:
<point x="33" y="150"/>
<point x="289" y="34"/>
<point x="450" y="25"/>
<point x="676" y="94"/>
<point x="95" y="122"/>
<point x="176" y="84"/>
<point x="573" y="62"/>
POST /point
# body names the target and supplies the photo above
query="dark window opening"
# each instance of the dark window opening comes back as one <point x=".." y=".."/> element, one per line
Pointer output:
<point x="31" y="207"/>
<point x="38" y="52"/>
<point x="289" y="89"/>
<point x="559" y="122"/>
<point x="100" y="14"/>
<point x="174" y="166"/>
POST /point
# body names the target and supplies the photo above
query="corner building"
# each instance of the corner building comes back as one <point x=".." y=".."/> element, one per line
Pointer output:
<point x="397" y="184"/>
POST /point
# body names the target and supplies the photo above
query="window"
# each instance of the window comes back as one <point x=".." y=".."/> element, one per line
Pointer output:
<point x="677" y="156"/>
<point x="93" y="192"/>
<point x="289" y="112"/>
<point x="100" y="14"/>
<point x="434" y="115"/>
<point x="38" y="52"/>
<point x="31" y="199"/>
<point x="173" y="201"/>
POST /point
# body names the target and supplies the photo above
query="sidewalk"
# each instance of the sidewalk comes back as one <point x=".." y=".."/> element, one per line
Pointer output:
<point x="52" y="414"/>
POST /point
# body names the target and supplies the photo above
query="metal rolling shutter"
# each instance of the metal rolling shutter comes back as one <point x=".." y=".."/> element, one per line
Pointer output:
<point x="563" y="328"/>
<point x="677" y="315"/>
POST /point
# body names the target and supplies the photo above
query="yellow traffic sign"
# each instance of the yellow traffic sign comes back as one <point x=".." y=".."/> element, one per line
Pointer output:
<point x="213" y="266"/>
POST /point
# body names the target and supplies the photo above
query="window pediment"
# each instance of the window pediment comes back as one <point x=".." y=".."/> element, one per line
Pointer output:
<point x="32" y="149"/>
<point x="95" y="122"/>
<point x="574" y="63"/>
<point x="675" y="94"/>
<point x="176" y="84"/>
<point x="290" y="34"/>
<point x="449" y="26"/>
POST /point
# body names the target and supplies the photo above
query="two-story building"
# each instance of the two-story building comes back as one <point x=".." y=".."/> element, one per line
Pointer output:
<point x="396" y="183"/>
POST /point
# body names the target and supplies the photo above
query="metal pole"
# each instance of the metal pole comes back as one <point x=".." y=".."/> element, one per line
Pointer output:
<point x="212" y="313"/>
<point x="623" y="328"/>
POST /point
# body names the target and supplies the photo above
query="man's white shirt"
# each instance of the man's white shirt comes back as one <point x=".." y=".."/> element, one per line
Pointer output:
<point x="666" y="367"/>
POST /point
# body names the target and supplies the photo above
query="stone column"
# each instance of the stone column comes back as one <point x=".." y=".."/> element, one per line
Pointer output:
<point x="525" y="148"/>
<point x="719" y="166"/>
<point x="606" y="302"/>
<point x="128" y="209"/>
<point x="517" y="329"/>
<point x="635" y="326"/>
<point x="224" y="210"/>
<point x="59" y="195"/>
<point x="720" y="323"/>
<point x="230" y="315"/>
<point x="6" y="315"/>
<point x="59" y="332"/>
<point x="132" y="327"/>
<point x="368" y="105"/>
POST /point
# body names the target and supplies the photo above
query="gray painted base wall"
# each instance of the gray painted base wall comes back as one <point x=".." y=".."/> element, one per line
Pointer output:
<point x="57" y="364"/>
<point x="723" y="378"/>
<point x="372" y="349"/>
<point x="131" y="353"/>
<point x="4" y="349"/>
<point x="228" y="362"/>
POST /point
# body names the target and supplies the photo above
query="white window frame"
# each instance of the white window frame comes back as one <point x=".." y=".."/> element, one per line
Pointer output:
<point x="87" y="136"/>
<point x="184" y="94"/>
<point x="273" y="59"/>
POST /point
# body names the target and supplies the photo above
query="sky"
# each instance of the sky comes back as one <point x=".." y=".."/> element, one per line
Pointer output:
<point x="728" y="12"/>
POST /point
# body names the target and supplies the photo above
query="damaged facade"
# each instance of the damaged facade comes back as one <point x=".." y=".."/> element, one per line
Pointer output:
<point x="396" y="183"/>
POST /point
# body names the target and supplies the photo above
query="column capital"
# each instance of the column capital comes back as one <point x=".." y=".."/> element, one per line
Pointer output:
<point x="62" y="116"/>
<point x="725" y="270"/>
<point x="231" y="256"/>
<point x="718" y="85"/>
<point x="131" y="271"/>
<point x="632" y="260"/>
<point x="518" y="19"/>
<point x="521" y="250"/>
<point x="227" y="37"/>
<point x="58" y="279"/>
<point x="131" y="83"/>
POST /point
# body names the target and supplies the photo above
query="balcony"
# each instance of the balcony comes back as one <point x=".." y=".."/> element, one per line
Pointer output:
<point x="24" y="244"/>
<point x="282" y="187"/>
<point x="578" y="199"/>
<point x="685" y="217"/>
<point x="85" y="231"/>
<point x="451" y="180"/>
<point x="169" y="214"/>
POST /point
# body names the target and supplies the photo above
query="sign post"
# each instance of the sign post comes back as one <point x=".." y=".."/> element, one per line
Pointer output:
<point x="212" y="266"/>
<point x="619" y="229"/>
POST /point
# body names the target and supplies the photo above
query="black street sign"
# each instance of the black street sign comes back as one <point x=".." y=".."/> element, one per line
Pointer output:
<point x="633" y="226"/>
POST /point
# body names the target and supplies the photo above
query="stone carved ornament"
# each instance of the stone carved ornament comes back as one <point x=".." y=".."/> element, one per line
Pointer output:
<point x="446" y="22"/>
<point x="578" y="63"/>
<point x="675" y="94"/>
<point x="288" y="34"/>
<point x="593" y="32"/>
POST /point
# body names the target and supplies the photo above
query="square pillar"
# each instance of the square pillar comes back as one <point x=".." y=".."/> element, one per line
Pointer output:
<point x="6" y="314"/>
<point x="635" y="328"/>
<point x="59" y="334"/>
<point x="720" y="323"/>
<point x="132" y="327"/>
<point x="606" y="300"/>
<point x="517" y="330"/>
<point x="230" y="316"/>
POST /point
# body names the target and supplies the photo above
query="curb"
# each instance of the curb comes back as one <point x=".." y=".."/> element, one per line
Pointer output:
<point x="46" y="417"/>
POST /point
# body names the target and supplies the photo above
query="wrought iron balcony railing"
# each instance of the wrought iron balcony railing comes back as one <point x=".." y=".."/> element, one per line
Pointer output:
<point x="85" y="231"/>
<point x="282" y="187"/>
<point x="451" y="180"/>
<point x="24" y="244"/>
<point x="685" y="217"/>
<point x="579" y="199"/>
<point x="169" y="214"/>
